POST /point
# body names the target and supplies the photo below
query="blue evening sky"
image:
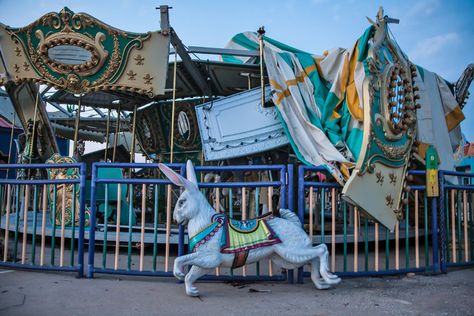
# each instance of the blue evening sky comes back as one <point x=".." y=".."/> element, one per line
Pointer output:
<point x="436" y="34"/>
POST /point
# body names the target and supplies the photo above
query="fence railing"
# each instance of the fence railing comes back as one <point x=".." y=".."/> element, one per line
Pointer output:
<point x="357" y="244"/>
<point x="43" y="221"/>
<point x="456" y="218"/>
<point x="43" y="217"/>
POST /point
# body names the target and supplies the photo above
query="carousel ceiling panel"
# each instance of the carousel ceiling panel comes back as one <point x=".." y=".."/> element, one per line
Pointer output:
<point x="238" y="125"/>
<point x="80" y="54"/>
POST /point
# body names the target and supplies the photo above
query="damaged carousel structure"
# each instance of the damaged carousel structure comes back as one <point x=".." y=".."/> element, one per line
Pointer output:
<point x="362" y="144"/>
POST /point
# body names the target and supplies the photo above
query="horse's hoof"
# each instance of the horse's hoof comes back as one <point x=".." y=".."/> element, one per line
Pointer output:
<point x="192" y="291"/>
<point x="322" y="286"/>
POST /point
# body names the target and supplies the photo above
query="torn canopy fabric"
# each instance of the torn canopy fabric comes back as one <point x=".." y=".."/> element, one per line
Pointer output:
<point x="317" y="98"/>
<point x="319" y="101"/>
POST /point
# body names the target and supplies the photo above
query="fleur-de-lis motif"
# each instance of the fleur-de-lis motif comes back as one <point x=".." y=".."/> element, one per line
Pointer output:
<point x="26" y="66"/>
<point x="139" y="60"/>
<point x="393" y="178"/>
<point x="17" y="51"/>
<point x="131" y="75"/>
<point x="379" y="177"/>
<point x="148" y="79"/>
<point x="389" y="200"/>
<point x="17" y="68"/>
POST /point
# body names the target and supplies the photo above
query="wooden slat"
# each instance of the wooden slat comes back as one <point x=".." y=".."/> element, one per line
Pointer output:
<point x="63" y="218"/>
<point x="168" y="228"/>
<point x="244" y="217"/>
<point x="397" y="245"/>
<point x="333" y="231"/>
<point x="466" y="242"/>
<point x="453" y="228"/>
<point x="7" y="224"/>
<point x="43" y="223"/>
<point x="311" y="204"/>
<point x="417" y="237"/>
<point x="376" y="246"/>
<point x="25" y="223"/>
<point x="142" y="231"/>
<point x="117" y="231"/>
<point x="270" y="208"/>
<point x="356" y="240"/>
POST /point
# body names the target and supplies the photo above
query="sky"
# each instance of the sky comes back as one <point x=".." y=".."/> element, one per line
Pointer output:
<point x="435" y="34"/>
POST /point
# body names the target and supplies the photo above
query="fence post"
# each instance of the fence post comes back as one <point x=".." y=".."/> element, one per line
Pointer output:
<point x="290" y="205"/>
<point x="82" y="194"/>
<point x="301" y="207"/>
<point x="92" y="222"/>
<point x="442" y="222"/>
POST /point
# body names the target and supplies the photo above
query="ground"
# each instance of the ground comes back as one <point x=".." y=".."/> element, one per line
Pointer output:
<point x="37" y="293"/>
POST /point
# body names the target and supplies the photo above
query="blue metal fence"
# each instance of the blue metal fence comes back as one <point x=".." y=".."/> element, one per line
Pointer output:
<point x="21" y="203"/>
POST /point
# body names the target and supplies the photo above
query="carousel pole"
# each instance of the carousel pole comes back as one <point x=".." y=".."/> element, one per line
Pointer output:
<point x="107" y="136"/>
<point x="168" y="198"/>
<point x="132" y="150"/>
<point x="76" y="124"/>
<point x="261" y="32"/>
<point x="12" y="133"/>
<point x="34" y="126"/>
<point x="117" y="131"/>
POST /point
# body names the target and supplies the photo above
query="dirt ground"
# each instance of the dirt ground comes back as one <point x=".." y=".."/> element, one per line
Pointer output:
<point x="37" y="293"/>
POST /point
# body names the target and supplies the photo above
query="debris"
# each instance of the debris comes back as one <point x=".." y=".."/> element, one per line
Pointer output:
<point x="252" y="290"/>
<point x="410" y="274"/>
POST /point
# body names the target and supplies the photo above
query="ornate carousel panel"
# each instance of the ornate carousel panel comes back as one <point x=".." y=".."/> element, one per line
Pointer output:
<point x="77" y="53"/>
<point x="239" y="125"/>
<point x="376" y="185"/>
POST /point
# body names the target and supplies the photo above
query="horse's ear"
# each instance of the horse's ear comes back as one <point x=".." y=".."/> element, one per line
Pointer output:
<point x="177" y="178"/>
<point x="190" y="173"/>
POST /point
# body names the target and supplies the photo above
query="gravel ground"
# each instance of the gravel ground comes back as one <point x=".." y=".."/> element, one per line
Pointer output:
<point x="37" y="293"/>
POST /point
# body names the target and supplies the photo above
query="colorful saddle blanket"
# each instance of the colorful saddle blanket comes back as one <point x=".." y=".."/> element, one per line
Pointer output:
<point x="238" y="236"/>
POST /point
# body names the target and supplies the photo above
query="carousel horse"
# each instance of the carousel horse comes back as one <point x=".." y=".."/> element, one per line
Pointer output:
<point x="216" y="241"/>
<point x="58" y="194"/>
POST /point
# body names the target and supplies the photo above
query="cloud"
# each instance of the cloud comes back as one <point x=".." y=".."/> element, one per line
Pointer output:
<point x="424" y="8"/>
<point x="430" y="46"/>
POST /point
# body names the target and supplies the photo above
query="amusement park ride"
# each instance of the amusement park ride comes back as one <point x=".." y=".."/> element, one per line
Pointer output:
<point x="366" y="114"/>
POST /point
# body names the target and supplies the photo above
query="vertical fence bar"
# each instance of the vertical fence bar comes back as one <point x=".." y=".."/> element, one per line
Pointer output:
<point x="311" y="223"/>
<point x="434" y="209"/>
<point x="270" y="205"/>
<point x="397" y="245"/>
<point x="417" y="234"/>
<point x="290" y="205"/>
<point x="106" y="225"/>
<point x="43" y="223"/>
<point x="63" y="217"/>
<point x="155" y="227"/>
<point x="217" y="207"/>
<point x="458" y="214"/>
<point x="442" y="222"/>
<point x="73" y="223"/>
<point x="425" y="205"/>
<point x="90" y="267"/>
<point x="53" y="234"/>
<point x="142" y="228"/>
<point x="244" y="217"/>
<point x="82" y="219"/>
<point x="345" y="236"/>
<point x="466" y="244"/>
<point x="356" y="240"/>
<point x="453" y="229"/>
<point x="366" y="243"/>
<point x="130" y="213"/>
<point x="7" y="223"/>
<point x="17" y="221"/>
<point x="35" y="211"/>
<point x="117" y="226"/>
<point x="407" y="233"/>
<point x="333" y="230"/>
<point x="168" y="228"/>
<point x="301" y="207"/>
<point x="25" y="223"/>
<point x="387" y="249"/>
<point x="376" y="246"/>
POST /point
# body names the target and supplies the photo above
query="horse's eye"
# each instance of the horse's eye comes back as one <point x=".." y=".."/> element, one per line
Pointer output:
<point x="181" y="202"/>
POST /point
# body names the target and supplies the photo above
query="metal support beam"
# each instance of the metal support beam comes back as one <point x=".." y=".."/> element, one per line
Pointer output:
<point x="189" y="65"/>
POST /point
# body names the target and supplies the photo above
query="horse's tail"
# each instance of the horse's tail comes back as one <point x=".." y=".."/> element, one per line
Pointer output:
<point x="290" y="216"/>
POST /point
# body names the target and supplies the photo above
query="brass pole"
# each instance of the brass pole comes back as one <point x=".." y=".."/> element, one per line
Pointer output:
<point x="117" y="130"/>
<point x="261" y="32"/>
<point x="107" y="136"/>
<point x="168" y="191"/>
<point x="132" y="150"/>
<point x="76" y="124"/>
<point x="34" y="126"/>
